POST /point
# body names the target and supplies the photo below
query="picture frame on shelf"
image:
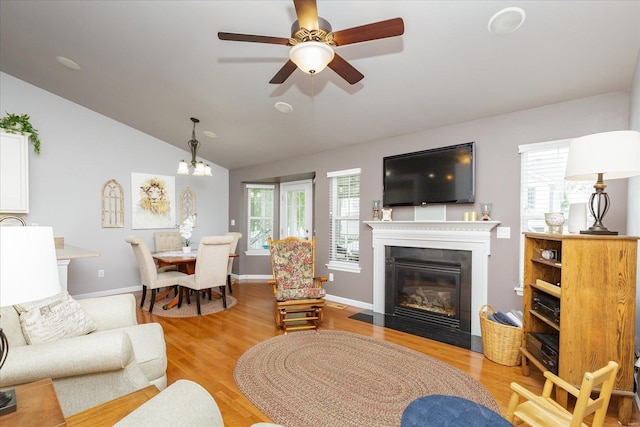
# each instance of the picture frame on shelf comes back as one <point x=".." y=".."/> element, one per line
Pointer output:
<point x="386" y="214"/>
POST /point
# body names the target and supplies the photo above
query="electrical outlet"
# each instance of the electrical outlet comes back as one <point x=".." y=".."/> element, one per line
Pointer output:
<point x="100" y="273"/>
<point x="233" y="222"/>
<point x="331" y="277"/>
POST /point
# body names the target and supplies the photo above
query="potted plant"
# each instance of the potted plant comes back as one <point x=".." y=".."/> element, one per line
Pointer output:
<point x="186" y="229"/>
<point x="15" y="123"/>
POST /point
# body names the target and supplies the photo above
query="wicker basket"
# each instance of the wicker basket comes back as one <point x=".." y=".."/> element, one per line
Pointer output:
<point x="500" y="343"/>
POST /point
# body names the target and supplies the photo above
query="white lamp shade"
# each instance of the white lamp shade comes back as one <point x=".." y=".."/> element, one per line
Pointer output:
<point x="199" y="169"/>
<point x="29" y="269"/>
<point x="311" y="57"/>
<point x="183" y="168"/>
<point x="613" y="154"/>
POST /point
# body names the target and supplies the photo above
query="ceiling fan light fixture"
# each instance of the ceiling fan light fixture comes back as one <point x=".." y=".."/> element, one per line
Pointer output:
<point x="311" y="57"/>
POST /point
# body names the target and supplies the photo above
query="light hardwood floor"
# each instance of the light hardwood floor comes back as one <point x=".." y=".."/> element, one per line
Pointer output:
<point x="205" y="349"/>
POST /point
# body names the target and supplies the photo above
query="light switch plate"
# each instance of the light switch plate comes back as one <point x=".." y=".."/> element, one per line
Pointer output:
<point x="504" y="233"/>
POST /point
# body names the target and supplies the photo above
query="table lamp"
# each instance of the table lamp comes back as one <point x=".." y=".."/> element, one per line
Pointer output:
<point x="29" y="272"/>
<point x="610" y="155"/>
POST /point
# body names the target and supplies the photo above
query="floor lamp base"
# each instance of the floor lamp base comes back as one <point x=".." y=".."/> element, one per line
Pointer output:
<point x="8" y="403"/>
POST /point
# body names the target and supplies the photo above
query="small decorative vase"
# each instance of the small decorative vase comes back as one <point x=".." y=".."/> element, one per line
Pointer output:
<point x="186" y="249"/>
<point x="485" y="208"/>
<point x="376" y="210"/>
<point x="554" y="220"/>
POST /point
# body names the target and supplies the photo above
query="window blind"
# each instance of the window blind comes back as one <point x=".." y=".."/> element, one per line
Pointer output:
<point x="344" y="216"/>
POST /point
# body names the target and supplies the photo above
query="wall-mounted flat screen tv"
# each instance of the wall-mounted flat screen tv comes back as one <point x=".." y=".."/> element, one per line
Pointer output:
<point x="436" y="176"/>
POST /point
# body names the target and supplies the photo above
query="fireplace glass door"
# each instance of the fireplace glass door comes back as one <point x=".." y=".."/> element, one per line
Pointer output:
<point x="433" y="288"/>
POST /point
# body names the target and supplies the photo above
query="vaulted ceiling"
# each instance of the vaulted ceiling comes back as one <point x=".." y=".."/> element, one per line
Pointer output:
<point x="154" y="64"/>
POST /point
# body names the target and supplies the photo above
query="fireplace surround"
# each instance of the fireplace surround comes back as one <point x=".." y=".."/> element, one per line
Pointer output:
<point x="473" y="237"/>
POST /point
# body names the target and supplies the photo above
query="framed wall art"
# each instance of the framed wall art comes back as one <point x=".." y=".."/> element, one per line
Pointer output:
<point x="153" y="201"/>
<point x="187" y="205"/>
<point x="112" y="205"/>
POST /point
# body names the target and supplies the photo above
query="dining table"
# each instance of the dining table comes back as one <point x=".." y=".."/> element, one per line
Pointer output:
<point x="185" y="262"/>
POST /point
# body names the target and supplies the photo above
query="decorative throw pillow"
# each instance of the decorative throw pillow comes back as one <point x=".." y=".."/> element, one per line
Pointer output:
<point x="49" y="319"/>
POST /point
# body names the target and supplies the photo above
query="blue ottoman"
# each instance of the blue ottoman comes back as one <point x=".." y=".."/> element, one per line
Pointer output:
<point x="449" y="411"/>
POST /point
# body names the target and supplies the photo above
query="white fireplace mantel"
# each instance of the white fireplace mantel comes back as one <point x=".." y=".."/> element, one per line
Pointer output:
<point x="474" y="236"/>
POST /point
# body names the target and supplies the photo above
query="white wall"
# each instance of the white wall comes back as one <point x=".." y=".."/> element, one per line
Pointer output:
<point x="80" y="151"/>
<point x="497" y="178"/>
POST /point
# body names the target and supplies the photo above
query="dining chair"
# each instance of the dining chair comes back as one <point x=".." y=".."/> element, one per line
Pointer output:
<point x="236" y="237"/>
<point x="149" y="275"/>
<point x="211" y="268"/>
<point x="167" y="241"/>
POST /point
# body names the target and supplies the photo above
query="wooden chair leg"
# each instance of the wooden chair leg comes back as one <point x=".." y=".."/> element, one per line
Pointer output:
<point x="198" y="301"/>
<point x="144" y="295"/>
<point x="229" y="283"/>
<point x="223" y="293"/>
<point x="153" y="300"/>
<point x="181" y="290"/>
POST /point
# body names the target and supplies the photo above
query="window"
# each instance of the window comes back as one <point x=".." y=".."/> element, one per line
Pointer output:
<point x="260" y="219"/>
<point x="344" y="220"/>
<point x="543" y="187"/>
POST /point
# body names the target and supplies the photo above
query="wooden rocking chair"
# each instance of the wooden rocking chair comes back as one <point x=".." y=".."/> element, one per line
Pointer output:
<point x="296" y="289"/>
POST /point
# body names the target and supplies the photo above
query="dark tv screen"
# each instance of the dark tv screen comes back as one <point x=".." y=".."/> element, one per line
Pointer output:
<point x="436" y="176"/>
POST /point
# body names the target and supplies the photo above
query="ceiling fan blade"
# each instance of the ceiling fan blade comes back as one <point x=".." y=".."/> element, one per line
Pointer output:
<point x="307" y="12"/>
<point x="252" y="38"/>
<point x="345" y="70"/>
<point x="377" y="30"/>
<point x="284" y="73"/>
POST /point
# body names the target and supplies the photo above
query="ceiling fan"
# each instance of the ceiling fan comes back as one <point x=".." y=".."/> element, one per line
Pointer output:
<point x="312" y="42"/>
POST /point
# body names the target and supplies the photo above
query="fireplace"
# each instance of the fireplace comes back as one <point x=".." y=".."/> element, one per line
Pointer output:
<point x="429" y="286"/>
<point x="448" y="246"/>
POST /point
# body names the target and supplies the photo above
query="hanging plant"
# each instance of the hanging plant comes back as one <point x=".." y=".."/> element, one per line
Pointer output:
<point x="14" y="123"/>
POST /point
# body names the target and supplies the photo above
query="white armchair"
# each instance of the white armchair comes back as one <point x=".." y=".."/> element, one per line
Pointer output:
<point x="120" y="357"/>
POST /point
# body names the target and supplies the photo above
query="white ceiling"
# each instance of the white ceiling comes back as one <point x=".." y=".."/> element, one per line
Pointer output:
<point x="154" y="64"/>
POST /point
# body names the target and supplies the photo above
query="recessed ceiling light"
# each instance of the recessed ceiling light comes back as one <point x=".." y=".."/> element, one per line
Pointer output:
<point x="66" y="62"/>
<point x="283" y="107"/>
<point x="209" y="134"/>
<point x="506" y="20"/>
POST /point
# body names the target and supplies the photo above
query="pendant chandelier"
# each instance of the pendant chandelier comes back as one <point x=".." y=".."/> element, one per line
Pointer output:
<point x="199" y="168"/>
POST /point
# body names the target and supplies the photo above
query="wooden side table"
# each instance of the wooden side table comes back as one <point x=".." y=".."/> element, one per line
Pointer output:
<point x="38" y="406"/>
<point x="113" y="411"/>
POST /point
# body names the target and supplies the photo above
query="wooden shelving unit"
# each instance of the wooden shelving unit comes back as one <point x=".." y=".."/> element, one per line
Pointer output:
<point x="597" y="288"/>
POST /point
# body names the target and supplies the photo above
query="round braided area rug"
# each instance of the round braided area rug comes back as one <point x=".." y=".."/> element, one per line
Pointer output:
<point x="335" y="378"/>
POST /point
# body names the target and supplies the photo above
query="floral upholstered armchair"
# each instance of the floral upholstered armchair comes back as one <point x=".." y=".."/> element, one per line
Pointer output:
<point x="295" y="287"/>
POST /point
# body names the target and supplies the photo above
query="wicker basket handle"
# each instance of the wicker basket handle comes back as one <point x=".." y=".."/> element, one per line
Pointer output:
<point x="490" y="309"/>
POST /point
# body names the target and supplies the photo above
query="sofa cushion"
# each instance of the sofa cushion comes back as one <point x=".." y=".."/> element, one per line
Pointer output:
<point x="48" y="319"/>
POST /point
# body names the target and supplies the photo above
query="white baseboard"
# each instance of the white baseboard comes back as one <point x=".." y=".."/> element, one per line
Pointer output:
<point x="108" y="292"/>
<point x="255" y="277"/>
<point x="352" y="302"/>
<point x="334" y="298"/>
